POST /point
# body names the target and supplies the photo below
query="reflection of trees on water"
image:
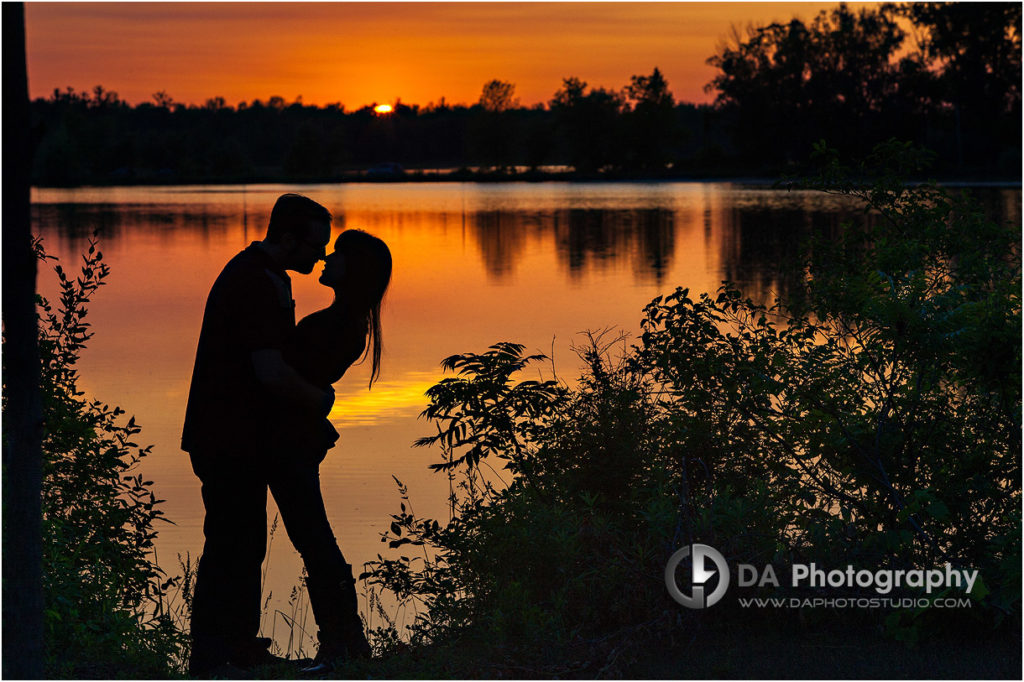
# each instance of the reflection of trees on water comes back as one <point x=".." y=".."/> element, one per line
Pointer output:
<point x="754" y="235"/>
<point x="588" y="238"/>
<point x="999" y="204"/>
<point x="761" y="245"/>
<point x="75" y="224"/>
<point x="656" y="245"/>
<point x="502" y="237"/>
<point x="584" y="239"/>
<point x="762" y="238"/>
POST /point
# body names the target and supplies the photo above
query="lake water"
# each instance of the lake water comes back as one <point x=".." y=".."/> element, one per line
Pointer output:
<point x="474" y="264"/>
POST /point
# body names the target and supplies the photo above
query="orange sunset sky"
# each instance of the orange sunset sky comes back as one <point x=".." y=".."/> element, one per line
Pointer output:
<point x="363" y="53"/>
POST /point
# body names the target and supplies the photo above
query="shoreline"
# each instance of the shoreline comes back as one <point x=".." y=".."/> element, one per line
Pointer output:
<point x="456" y="177"/>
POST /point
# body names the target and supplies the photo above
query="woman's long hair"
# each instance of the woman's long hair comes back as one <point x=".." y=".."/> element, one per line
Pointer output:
<point x="367" y="274"/>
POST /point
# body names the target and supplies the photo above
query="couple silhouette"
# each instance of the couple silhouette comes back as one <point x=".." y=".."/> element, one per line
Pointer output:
<point x="257" y="420"/>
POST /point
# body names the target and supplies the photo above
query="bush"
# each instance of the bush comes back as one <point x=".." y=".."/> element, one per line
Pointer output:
<point x="872" y="418"/>
<point x="108" y="606"/>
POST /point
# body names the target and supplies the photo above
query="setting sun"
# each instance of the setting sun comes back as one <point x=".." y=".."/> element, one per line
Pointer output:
<point x="383" y="108"/>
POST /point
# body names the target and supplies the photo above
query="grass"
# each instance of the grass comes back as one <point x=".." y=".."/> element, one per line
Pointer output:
<point x="757" y="649"/>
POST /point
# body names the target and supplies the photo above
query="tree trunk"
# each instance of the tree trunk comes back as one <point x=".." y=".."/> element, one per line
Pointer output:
<point x="22" y="460"/>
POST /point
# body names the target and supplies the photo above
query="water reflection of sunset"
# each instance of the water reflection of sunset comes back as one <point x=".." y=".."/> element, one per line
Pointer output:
<point x="388" y="400"/>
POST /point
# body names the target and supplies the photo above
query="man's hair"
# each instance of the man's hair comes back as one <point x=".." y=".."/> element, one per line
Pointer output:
<point x="292" y="214"/>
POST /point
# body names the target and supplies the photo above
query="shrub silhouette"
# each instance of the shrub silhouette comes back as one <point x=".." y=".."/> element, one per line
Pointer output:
<point x="110" y="611"/>
<point x="871" y="419"/>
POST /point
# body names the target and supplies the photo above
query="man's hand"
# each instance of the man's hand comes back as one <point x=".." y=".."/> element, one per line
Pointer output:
<point x="278" y="376"/>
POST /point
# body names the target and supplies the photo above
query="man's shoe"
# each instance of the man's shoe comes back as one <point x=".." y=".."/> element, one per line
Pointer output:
<point x="255" y="654"/>
<point x="328" y="656"/>
<point x="208" y="661"/>
<point x="316" y="669"/>
<point x="217" y="671"/>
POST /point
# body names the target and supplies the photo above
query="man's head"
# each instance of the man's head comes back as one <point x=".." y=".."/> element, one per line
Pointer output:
<point x="299" y="229"/>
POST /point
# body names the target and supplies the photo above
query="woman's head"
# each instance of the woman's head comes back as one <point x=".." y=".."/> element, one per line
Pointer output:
<point x="360" y="267"/>
<point x="359" y="271"/>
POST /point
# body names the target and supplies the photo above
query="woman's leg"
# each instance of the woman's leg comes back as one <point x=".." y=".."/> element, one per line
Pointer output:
<point x="332" y="594"/>
<point x="296" y="489"/>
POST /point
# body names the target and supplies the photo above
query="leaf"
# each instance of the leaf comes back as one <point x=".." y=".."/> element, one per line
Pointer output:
<point x="980" y="590"/>
<point x="938" y="509"/>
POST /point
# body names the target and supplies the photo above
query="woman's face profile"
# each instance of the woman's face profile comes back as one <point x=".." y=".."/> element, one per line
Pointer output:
<point x="334" y="269"/>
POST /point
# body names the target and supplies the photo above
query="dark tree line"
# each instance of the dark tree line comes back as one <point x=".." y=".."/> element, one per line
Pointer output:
<point x="856" y="78"/>
<point x="852" y="78"/>
<point x="97" y="137"/>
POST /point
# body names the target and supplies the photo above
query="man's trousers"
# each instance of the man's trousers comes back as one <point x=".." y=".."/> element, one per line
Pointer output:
<point x="226" y="603"/>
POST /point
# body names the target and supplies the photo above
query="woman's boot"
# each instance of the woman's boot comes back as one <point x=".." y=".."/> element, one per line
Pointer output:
<point x="336" y="610"/>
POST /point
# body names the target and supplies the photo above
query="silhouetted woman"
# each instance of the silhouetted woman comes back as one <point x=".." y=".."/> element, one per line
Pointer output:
<point x="325" y="345"/>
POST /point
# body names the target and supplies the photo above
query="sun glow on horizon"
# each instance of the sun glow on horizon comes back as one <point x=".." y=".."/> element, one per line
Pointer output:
<point x="383" y="109"/>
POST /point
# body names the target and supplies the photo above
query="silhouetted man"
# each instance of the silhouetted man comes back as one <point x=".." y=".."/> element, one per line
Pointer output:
<point x="238" y="384"/>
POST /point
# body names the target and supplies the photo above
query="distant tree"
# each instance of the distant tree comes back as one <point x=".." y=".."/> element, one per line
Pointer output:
<point x="978" y="48"/>
<point x="492" y="131"/>
<point x="163" y="100"/>
<point x="215" y="103"/>
<point x="792" y="84"/>
<point x="588" y="124"/>
<point x="400" y="108"/>
<point x="102" y="97"/>
<point x="849" y="78"/>
<point x="650" y="91"/>
<point x="975" y="51"/>
<point x="537" y="137"/>
<point x="307" y="157"/>
<point x="498" y="96"/>
<point x="653" y="131"/>
<point x="570" y="94"/>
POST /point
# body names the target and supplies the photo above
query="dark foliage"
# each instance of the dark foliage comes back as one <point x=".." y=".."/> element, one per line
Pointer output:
<point x="108" y="610"/>
<point x="872" y="418"/>
<point x="853" y="78"/>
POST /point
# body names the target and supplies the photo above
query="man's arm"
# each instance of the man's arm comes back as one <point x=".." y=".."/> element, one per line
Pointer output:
<point x="277" y="375"/>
